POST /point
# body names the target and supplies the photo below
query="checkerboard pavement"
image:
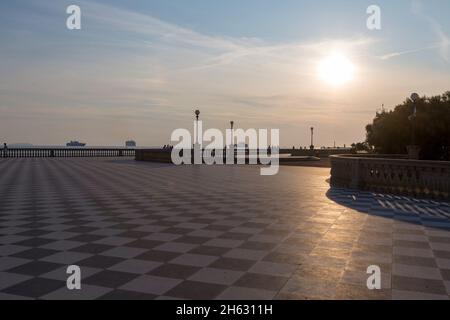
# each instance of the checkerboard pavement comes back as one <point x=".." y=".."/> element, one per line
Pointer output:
<point x="156" y="231"/>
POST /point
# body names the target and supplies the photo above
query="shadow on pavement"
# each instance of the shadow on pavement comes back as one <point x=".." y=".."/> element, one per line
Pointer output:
<point x="424" y="212"/>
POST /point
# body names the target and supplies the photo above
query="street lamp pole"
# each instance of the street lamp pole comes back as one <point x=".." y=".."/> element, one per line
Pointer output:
<point x="414" y="97"/>
<point x="197" y="113"/>
<point x="413" y="149"/>
<point x="197" y="147"/>
<point x="232" y="133"/>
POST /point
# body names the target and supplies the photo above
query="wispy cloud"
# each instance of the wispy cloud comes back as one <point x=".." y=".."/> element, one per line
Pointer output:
<point x="401" y="53"/>
<point x="444" y="40"/>
<point x="443" y="44"/>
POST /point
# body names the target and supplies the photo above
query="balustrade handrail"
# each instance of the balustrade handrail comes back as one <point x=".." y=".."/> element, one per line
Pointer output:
<point x="391" y="174"/>
<point x="61" y="152"/>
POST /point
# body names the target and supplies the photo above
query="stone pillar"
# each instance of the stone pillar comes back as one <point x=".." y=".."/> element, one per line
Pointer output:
<point x="354" y="182"/>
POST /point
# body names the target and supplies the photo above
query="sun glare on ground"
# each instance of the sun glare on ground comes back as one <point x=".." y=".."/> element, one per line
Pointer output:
<point x="336" y="69"/>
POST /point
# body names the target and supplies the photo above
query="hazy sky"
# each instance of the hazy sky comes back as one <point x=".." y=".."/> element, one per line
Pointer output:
<point x="138" y="69"/>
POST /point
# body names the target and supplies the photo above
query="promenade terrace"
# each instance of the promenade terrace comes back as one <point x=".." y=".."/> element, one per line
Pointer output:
<point x="142" y="230"/>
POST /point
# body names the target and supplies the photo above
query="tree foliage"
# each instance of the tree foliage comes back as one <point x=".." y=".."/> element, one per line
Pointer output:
<point x="392" y="131"/>
<point x="361" y="147"/>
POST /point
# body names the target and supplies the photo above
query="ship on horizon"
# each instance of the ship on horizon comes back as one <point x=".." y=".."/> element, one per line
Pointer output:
<point x="75" y="144"/>
<point x="130" y="144"/>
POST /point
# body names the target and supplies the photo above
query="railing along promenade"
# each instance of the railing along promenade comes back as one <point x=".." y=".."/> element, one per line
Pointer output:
<point x="165" y="154"/>
<point x="65" y="152"/>
<point x="391" y="174"/>
<point x="241" y="155"/>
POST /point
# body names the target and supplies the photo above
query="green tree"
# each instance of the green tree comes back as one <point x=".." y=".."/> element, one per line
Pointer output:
<point x="361" y="146"/>
<point x="392" y="131"/>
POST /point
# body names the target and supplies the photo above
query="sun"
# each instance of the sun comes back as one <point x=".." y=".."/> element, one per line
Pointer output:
<point x="336" y="69"/>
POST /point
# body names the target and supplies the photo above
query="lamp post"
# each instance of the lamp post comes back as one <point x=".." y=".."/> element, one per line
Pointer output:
<point x="197" y="147"/>
<point x="311" y="147"/>
<point x="232" y="134"/>
<point x="197" y="113"/>
<point x="413" y="149"/>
